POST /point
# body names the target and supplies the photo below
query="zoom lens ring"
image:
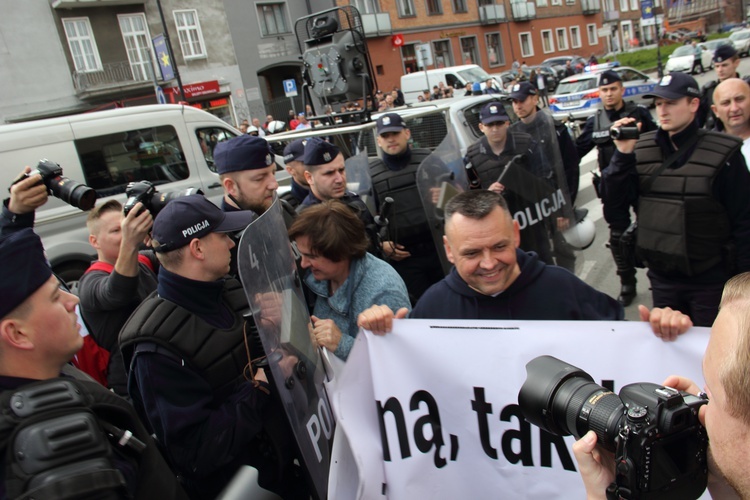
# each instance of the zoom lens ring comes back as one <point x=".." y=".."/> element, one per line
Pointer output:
<point x="601" y="417"/>
<point x="575" y="405"/>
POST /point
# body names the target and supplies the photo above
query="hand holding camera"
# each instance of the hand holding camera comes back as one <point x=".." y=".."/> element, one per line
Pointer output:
<point x="625" y="133"/>
<point x="52" y="178"/>
<point x="28" y="193"/>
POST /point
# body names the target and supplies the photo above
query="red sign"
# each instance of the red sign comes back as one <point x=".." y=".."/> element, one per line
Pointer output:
<point x="198" y="89"/>
<point x="397" y="40"/>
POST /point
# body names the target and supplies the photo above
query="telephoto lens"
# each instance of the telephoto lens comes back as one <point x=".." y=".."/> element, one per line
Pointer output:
<point x="71" y="192"/>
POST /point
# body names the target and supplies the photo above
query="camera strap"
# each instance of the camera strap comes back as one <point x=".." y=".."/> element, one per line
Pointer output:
<point x="671" y="159"/>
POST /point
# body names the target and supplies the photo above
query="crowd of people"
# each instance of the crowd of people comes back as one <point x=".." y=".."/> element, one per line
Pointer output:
<point x="163" y="303"/>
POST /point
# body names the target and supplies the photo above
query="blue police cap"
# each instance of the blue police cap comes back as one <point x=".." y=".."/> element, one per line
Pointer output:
<point x="295" y="150"/>
<point x="674" y="86"/>
<point x="245" y="152"/>
<point x="609" y="77"/>
<point x="493" y="112"/>
<point x="521" y="91"/>
<point x="724" y="53"/>
<point x="390" y="122"/>
<point x="25" y="268"/>
<point x="319" y="152"/>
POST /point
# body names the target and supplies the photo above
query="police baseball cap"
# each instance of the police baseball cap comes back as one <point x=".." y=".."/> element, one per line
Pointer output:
<point x="295" y="150"/>
<point x="724" y="53"/>
<point x="245" y="152"/>
<point x="521" y="91"/>
<point x="674" y="86"/>
<point x="390" y="122"/>
<point x="319" y="152"/>
<point x="493" y="112"/>
<point x="609" y="77"/>
<point x="25" y="268"/>
<point x="193" y="216"/>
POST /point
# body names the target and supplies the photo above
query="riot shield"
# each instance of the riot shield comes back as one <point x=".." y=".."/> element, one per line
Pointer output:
<point x="358" y="179"/>
<point x="439" y="178"/>
<point x="269" y="276"/>
<point x="538" y="196"/>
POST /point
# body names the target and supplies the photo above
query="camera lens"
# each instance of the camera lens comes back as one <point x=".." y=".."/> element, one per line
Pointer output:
<point x="563" y="399"/>
<point x="161" y="199"/>
<point x="73" y="193"/>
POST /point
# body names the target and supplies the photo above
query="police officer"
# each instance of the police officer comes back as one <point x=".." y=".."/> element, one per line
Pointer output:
<point x="411" y="250"/>
<point x="39" y="334"/>
<point x="489" y="156"/>
<point x="726" y="61"/>
<point x="186" y="349"/>
<point x="246" y="169"/>
<point x="596" y="133"/>
<point x="691" y="189"/>
<point x="300" y="189"/>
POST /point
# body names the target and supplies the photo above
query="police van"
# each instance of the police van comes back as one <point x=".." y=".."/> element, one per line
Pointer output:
<point x="168" y="145"/>
<point x="578" y="96"/>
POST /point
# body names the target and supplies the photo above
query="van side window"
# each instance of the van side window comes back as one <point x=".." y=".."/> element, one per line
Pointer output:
<point x="111" y="161"/>
<point x="208" y="138"/>
<point x="452" y="80"/>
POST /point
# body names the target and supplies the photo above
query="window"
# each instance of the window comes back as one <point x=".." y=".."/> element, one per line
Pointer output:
<point x="556" y="2"/>
<point x="624" y="5"/>
<point x="527" y="45"/>
<point x="434" y="7"/>
<point x="272" y="18"/>
<point x="152" y="154"/>
<point x="208" y="138"/>
<point x="541" y="3"/>
<point x="547" y="45"/>
<point x="634" y="5"/>
<point x="562" y="39"/>
<point x="591" y="33"/>
<point x="570" y="2"/>
<point x="441" y="49"/>
<point x="189" y="31"/>
<point x="495" y="54"/>
<point x="409" y="58"/>
<point x="405" y="8"/>
<point x="469" y="53"/>
<point x="575" y="37"/>
<point x="366" y="6"/>
<point x="137" y="41"/>
<point x="459" y="6"/>
<point x="82" y="44"/>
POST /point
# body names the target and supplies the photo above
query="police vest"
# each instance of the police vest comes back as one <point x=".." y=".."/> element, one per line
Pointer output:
<point x="408" y="215"/>
<point x="489" y="166"/>
<point x="600" y="135"/>
<point x="60" y="438"/>
<point x="218" y="354"/>
<point x="682" y="229"/>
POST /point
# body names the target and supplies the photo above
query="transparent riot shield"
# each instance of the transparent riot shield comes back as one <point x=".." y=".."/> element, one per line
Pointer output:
<point x="537" y="193"/>
<point x="439" y="178"/>
<point x="358" y="179"/>
<point x="267" y="269"/>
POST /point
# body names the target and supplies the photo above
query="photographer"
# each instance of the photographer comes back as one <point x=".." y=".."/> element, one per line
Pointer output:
<point x="689" y="186"/>
<point x="725" y="368"/>
<point x="116" y="283"/>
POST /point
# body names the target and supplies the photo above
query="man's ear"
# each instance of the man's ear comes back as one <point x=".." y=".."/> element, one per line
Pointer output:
<point x="516" y="234"/>
<point x="195" y="247"/>
<point x="309" y="178"/>
<point x="12" y="334"/>
<point x="448" y="250"/>
<point x="229" y="185"/>
<point x="93" y="241"/>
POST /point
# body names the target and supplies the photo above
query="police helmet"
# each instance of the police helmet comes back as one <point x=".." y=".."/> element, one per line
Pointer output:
<point x="581" y="235"/>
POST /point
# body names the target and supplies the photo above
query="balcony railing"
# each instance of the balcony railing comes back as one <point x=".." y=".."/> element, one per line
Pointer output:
<point x="112" y="76"/>
<point x="590" y="7"/>
<point x="523" y="11"/>
<point x="611" y="15"/>
<point x="492" y="14"/>
<point x="377" y="24"/>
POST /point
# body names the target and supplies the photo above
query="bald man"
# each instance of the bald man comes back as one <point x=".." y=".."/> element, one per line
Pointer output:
<point x="731" y="105"/>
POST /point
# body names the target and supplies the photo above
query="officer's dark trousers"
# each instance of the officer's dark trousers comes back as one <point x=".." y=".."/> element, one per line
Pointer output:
<point x="699" y="301"/>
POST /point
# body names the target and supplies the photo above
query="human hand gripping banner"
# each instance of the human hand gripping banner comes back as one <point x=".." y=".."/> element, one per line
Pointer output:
<point x="431" y="409"/>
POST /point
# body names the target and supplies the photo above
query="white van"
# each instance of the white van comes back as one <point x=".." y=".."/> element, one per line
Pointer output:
<point x="413" y="84"/>
<point x="169" y="145"/>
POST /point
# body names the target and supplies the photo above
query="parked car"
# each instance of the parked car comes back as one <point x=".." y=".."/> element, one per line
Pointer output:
<point x="558" y="64"/>
<point x="690" y="59"/>
<point x="741" y="41"/>
<point x="505" y="78"/>
<point x="578" y="96"/>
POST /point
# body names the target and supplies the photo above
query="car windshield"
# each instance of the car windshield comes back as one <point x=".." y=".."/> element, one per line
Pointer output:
<point x="685" y="50"/>
<point x="573" y="86"/>
<point x="474" y="74"/>
<point x="740" y="35"/>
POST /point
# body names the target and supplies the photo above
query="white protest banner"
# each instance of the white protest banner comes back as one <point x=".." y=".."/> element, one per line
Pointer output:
<point x="430" y="410"/>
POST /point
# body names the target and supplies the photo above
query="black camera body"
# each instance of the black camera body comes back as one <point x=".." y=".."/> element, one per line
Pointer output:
<point x="659" y="444"/>
<point x="71" y="192"/>
<point x="624" y="133"/>
<point x="152" y="200"/>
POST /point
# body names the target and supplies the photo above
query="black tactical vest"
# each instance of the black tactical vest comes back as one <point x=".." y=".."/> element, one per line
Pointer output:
<point x="408" y="216"/>
<point x="682" y="229"/>
<point x="489" y="166"/>
<point x="218" y="354"/>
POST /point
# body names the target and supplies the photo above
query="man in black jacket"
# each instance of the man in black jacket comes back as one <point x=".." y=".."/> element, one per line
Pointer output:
<point x="690" y="187"/>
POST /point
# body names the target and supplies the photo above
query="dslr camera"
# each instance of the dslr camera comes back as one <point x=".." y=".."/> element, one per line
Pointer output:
<point x="654" y="432"/>
<point x="152" y="200"/>
<point x="624" y="133"/>
<point x="71" y="192"/>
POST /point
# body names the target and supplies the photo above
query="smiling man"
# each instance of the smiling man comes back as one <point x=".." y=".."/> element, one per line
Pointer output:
<point x="732" y="106"/>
